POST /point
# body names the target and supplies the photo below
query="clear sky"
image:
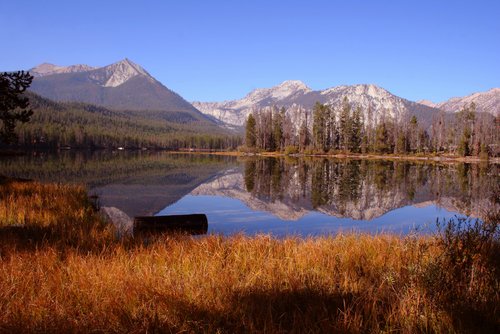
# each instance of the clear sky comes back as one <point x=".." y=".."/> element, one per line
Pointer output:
<point x="219" y="50"/>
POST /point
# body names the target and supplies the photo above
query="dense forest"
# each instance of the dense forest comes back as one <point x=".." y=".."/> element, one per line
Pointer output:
<point x="80" y="125"/>
<point x="327" y="130"/>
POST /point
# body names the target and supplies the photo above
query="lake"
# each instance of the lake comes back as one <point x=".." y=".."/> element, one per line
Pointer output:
<point x="282" y="196"/>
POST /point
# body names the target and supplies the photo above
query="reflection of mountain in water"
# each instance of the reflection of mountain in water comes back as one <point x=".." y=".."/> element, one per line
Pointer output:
<point x="355" y="189"/>
<point x="145" y="193"/>
<point x="143" y="183"/>
<point x="231" y="184"/>
<point x="138" y="183"/>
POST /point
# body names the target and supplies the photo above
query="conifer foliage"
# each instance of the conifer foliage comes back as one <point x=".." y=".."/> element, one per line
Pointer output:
<point x="349" y="129"/>
<point x="14" y="107"/>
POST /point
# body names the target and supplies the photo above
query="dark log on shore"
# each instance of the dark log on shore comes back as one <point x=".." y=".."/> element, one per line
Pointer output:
<point x="191" y="224"/>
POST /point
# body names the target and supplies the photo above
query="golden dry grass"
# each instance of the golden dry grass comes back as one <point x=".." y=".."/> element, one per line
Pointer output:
<point x="78" y="278"/>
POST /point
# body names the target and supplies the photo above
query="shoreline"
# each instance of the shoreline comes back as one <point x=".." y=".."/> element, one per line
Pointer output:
<point x="469" y="159"/>
<point x="358" y="156"/>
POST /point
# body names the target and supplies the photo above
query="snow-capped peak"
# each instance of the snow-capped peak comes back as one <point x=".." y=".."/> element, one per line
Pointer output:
<point x="283" y="90"/>
<point x="294" y="85"/>
<point x="118" y="73"/>
<point x="428" y="103"/>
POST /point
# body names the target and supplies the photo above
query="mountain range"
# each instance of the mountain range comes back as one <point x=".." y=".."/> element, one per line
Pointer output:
<point x="295" y="95"/>
<point x="488" y="101"/>
<point x="125" y="85"/>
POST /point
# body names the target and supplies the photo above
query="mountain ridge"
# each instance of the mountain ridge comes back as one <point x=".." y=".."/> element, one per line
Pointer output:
<point x="45" y="69"/>
<point x="123" y="85"/>
<point x="488" y="101"/>
<point x="297" y="96"/>
<point x="127" y="85"/>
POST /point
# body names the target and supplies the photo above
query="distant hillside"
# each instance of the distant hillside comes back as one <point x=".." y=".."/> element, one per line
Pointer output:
<point x="123" y="85"/>
<point x="81" y="125"/>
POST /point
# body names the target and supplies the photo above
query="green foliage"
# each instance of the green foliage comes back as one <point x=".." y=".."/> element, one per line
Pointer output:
<point x="319" y="126"/>
<point x="414" y="121"/>
<point x="463" y="147"/>
<point x="278" y="119"/>
<point x="250" y="134"/>
<point x="304" y="136"/>
<point x="381" y="139"/>
<point x="79" y="125"/>
<point x="356" y="131"/>
<point x="345" y="125"/>
<point x="291" y="150"/>
<point x="484" y="154"/>
<point x="401" y="144"/>
<point x="13" y="105"/>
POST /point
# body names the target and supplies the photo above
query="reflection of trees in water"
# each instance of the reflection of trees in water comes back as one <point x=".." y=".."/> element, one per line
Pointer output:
<point x="96" y="168"/>
<point x="342" y="185"/>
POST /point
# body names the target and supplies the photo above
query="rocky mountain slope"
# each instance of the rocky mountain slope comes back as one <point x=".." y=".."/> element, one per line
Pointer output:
<point x="375" y="102"/>
<point x="488" y="101"/>
<point x="49" y="69"/>
<point x="122" y="85"/>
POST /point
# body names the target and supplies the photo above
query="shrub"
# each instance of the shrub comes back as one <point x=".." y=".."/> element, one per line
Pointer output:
<point x="248" y="150"/>
<point x="308" y="151"/>
<point x="291" y="150"/>
<point x="468" y="275"/>
<point x="484" y="154"/>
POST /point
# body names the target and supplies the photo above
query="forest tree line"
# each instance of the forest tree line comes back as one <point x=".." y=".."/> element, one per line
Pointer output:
<point x="79" y="125"/>
<point x="345" y="129"/>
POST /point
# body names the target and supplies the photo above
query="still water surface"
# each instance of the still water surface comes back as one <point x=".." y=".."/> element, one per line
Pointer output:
<point x="282" y="196"/>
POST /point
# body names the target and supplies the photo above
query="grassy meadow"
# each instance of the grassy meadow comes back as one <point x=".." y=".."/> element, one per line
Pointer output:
<point x="63" y="270"/>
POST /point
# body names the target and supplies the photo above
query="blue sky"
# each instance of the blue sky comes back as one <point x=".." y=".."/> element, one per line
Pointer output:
<point x="218" y="50"/>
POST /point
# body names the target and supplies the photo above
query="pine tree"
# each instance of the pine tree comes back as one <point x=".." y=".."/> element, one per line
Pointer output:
<point x="463" y="146"/>
<point x="278" y="129"/>
<point x="250" y="135"/>
<point x="13" y="105"/>
<point x="304" y="137"/>
<point x="381" y="139"/>
<point x="334" y="130"/>
<point x="413" y="134"/>
<point x="345" y="125"/>
<point x="364" y="144"/>
<point x="483" y="153"/>
<point x="401" y="143"/>
<point x="466" y="120"/>
<point x="356" y="131"/>
<point x="319" y="127"/>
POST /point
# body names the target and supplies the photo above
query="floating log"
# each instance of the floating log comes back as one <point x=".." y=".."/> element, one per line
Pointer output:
<point x="192" y="224"/>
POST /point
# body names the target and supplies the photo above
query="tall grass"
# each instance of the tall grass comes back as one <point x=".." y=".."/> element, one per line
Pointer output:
<point x="78" y="278"/>
<point x="33" y="214"/>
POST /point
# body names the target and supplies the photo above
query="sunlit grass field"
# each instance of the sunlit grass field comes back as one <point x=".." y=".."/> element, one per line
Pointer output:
<point x="63" y="270"/>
